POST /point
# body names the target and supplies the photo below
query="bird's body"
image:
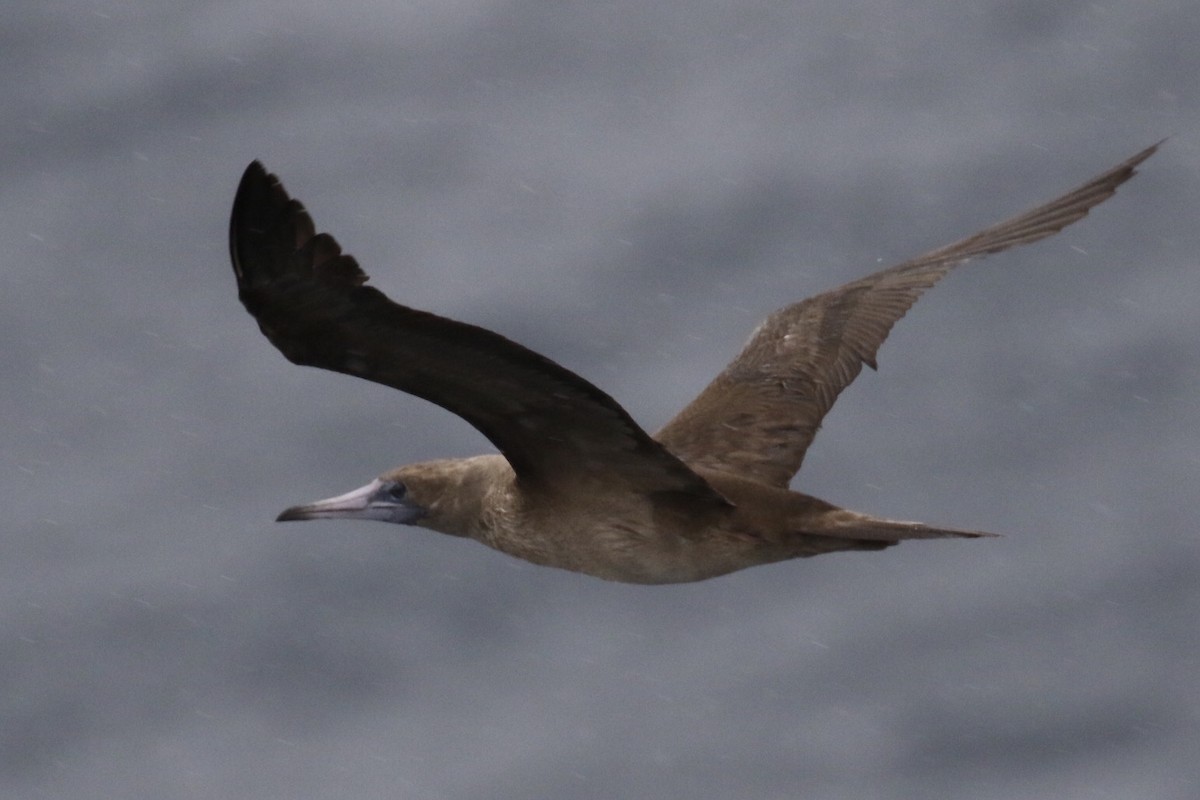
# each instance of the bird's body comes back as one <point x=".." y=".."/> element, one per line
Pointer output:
<point x="577" y="483"/>
<point x="624" y="535"/>
<point x="637" y="537"/>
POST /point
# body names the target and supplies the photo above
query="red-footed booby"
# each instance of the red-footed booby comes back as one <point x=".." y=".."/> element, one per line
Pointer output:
<point x="577" y="484"/>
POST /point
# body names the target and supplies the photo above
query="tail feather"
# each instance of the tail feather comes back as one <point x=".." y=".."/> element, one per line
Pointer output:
<point x="843" y="524"/>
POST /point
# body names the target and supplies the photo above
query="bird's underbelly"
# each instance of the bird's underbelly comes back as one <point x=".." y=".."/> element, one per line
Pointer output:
<point x="629" y="554"/>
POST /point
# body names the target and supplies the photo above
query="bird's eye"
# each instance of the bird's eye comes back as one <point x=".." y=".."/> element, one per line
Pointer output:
<point x="393" y="490"/>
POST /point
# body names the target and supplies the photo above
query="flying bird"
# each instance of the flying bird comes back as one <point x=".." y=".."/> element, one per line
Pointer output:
<point x="577" y="483"/>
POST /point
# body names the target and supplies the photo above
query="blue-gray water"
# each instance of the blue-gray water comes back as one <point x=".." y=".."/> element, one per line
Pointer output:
<point x="627" y="187"/>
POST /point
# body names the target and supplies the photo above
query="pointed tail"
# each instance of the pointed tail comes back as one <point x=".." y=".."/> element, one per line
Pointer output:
<point x="843" y="524"/>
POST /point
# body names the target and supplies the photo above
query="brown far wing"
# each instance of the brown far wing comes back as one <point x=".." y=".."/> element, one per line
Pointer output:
<point x="310" y="301"/>
<point x="759" y="416"/>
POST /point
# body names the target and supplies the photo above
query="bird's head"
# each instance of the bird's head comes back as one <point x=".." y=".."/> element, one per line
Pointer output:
<point x="447" y="496"/>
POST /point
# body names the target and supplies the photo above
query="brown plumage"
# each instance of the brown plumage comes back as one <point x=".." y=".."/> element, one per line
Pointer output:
<point x="578" y="484"/>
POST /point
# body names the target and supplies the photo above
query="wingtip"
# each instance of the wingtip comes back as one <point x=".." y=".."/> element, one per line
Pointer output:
<point x="1137" y="159"/>
<point x="254" y="173"/>
<point x="257" y="204"/>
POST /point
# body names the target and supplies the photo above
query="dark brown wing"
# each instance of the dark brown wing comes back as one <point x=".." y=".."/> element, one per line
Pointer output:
<point x="310" y="301"/>
<point x="759" y="416"/>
